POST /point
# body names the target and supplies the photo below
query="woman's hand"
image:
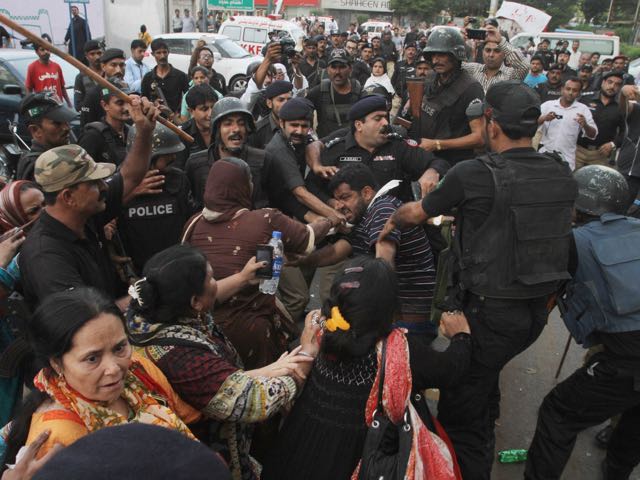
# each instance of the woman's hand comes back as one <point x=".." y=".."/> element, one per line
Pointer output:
<point x="9" y="246"/>
<point x="28" y="466"/>
<point x="309" y="337"/>
<point x="290" y="364"/>
<point x="249" y="271"/>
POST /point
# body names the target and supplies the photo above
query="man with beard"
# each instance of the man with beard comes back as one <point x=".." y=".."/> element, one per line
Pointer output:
<point x="276" y="95"/>
<point x="64" y="248"/>
<point x="388" y="49"/>
<point x="77" y="34"/>
<point x="106" y="140"/>
<point x="404" y="69"/>
<point x="566" y="71"/>
<point x="83" y="83"/>
<point x="135" y="69"/>
<point x="536" y="73"/>
<point x="113" y="66"/>
<point x="333" y="98"/>
<point x="609" y="119"/>
<point x="450" y="124"/>
<point x="48" y="123"/>
<point x="310" y="66"/>
<point x="361" y="70"/>
<point x="166" y="78"/>
<point x="367" y="207"/>
<point x="200" y="101"/>
<point x="377" y="50"/>
<point x="502" y="283"/>
<point x="231" y="124"/>
<point x="619" y="64"/>
<point x="552" y="88"/>
<point x="322" y="48"/>
<point x="45" y="75"/>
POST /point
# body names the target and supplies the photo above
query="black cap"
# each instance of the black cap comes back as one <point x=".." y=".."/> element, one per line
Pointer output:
<point x="344" y="34"/>
<point x="513" y="104"/>
<point x="278" y="88"/>
<point x="613" y="73"/>
<point x="296" y="109"/>
<point x="366" y="45"/>
<point x="410" y="45"/>
<point x="46" y="105"/>
<point x="111" y="53"/>
<point x="554" y="66"/>
<point x="92" y="45"/>
<point x="421" y="59"/>
<point x="564" y="52"/>
<point x="339" y="55"/>
<point x="366" y="105"/>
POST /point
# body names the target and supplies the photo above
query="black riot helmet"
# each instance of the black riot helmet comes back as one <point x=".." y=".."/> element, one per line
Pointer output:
<point x="446" y="40"/>
<point x="600" y="190"/>
<point x="163" y="141"/>
<point x="226" y="106"/>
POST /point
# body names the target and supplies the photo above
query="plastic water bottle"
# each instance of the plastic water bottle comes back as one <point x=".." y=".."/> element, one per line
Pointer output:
<point x="269" y="286"/>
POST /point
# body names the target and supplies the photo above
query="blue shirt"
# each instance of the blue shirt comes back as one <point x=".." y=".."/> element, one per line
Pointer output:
<point x="133" y="74"/>
<point x="533" y="80"/>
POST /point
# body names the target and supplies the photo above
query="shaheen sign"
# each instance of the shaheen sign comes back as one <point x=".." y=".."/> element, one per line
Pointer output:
<point x="359" y="5"/>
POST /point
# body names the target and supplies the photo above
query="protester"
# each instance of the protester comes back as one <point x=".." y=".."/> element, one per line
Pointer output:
<point x="45" y="75"/>
<point x="379" y="77"/>
<point x="135" y="68"/>
<point x="536" y="74"/>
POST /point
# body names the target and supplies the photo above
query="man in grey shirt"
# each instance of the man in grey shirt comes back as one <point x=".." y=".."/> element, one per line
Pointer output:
<point x="188" y="23"/>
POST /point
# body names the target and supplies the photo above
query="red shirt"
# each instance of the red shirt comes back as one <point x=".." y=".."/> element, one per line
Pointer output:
<point x="41" y="77"/>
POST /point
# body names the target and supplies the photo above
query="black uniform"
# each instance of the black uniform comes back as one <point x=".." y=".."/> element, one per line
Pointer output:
<point x="332" y="107"/>
<point x="628" y="162"/>
<point x="547" y="57"/>
<point x="103" y="143"/>
<point x="218" y="82"/>
<point x="198" y="144"/>
<point x="567" y="73"/>
<point x="266" y="128"/>
<point x="146" y="216"/>
<point x="503" y="279"/>
<point x="91" y="110"/>
<point x="173" y="86"/>
<point x="395" y="160"/>
<point x="313" y="73"/>
<point x="27" y="162"/>
<point x="401" y="72"/>
<point x="198" y="165"/>
<point x="444" y="112"/>
<point x="361" y="71"/>
<point x="81" y="86"/>
<point x="547" y="92"/>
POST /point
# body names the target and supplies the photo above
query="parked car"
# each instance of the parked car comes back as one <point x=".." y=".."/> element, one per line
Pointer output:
<point x="13" y="71"/>
<point x="230" y="60"/>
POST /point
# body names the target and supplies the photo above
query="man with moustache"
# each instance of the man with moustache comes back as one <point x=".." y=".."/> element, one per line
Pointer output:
<point x="113" y="66"/>
<point x="552" y="88"/>
<point x="310" y="66"/>
<point x="106" y="140"/>
<point x="333" y="98"/>
<point x="361" y="69"/>
<point x="609" y="119"/>
<point x="46" y="75"/>
<point x="231" y="125"/>
<point x="276" y="95"/>
<point x="92" y="53"/>
<point x="404" y="69"/>
<point x="450" y="123"/>
<point x="48" y="123"/>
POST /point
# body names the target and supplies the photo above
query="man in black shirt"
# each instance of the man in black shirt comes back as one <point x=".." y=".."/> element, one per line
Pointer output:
<point x="92" y="52"/>
<point x="628" y="161"/>
<point x="113" y="65"/>
<point x="200" y="101"/>
<point x="566" y="71"/>
<point x="609" y="119"/>
<point x="165" y="78"/>
<point x="503" y="282"/>
<point x="310" y="66"/>
<point x="361" y="70"/>
<point x="552" y="88"/>
<point x="64" y="248"/>
<point x="404" y="69"/>
<point x="276" y="95"/>
<point x="547" y="55"/>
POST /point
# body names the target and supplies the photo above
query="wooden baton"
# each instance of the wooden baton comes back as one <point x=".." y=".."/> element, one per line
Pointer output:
<point x="87" y="71"/>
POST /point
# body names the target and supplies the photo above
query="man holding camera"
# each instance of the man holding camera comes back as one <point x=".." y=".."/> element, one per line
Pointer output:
<point x="562" y="121"/>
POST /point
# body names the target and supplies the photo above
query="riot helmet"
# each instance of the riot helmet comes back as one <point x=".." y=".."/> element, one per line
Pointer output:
<point x="229" y="105"/>
<point x="163" y="141"/>
<point x="600" y="190"/>
<point x="446" y="40"/>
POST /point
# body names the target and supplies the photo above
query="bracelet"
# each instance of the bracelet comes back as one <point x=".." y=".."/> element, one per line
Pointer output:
<point x="305" y="354"/>
<point x="438" y="146"/>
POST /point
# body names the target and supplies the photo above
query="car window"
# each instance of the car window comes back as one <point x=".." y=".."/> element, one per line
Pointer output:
<point x="602" y="46"/>
<point x="232" y="32"/>
<point x="7" y="78"/>
<point x="228" y="49"/>
<point x="180" y="46"/>
<point x="255" y="35"/>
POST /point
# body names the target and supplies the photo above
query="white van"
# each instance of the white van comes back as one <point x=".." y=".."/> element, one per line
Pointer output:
<point x="252" y="33"/>
<point x="607" y="46"/>
<point x="375" y="28"/>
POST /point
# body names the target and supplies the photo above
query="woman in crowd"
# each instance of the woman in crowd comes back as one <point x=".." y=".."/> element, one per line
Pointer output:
<point x="170" y="319"/>
<point x="90" y="379"/>
<point x="324" y="434"/>
<point x="199" y="76"/>
<point x="20" y="203"/>
<point x="379" y="76"/>
<point x="228" y="232"/>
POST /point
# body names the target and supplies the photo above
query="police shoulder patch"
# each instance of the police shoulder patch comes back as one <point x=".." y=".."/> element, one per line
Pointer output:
<point x="410" y="142"/>
<point x="333" y="141"/>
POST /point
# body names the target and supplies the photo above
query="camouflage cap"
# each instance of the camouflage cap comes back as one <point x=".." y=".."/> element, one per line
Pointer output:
<point x="62" y="167"/>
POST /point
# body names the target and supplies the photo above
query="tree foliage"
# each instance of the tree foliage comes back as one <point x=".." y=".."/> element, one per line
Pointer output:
<point x="594" y="10"/>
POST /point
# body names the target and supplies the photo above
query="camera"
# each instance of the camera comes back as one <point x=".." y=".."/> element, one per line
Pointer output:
<point x="287" y="44"/>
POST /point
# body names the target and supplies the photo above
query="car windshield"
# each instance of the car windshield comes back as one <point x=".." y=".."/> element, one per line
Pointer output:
<point x="229" y="49"/>
<point x="68" y="70"/>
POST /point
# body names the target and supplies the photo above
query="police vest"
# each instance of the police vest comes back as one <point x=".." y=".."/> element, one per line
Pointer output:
<point x="435" y="120"/>
<point x="603" y="295"/>
<point x="113" y="153"/>
<point x="522" y="248"/>
<point x="331" y="115"/>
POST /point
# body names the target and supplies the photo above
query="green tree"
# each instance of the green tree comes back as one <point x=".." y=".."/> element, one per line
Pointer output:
<point x="594" y="10"/>
<point x="424" y="9"/>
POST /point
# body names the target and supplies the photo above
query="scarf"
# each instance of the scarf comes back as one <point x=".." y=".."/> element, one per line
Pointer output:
<point x="383" y="80"/>
<point x="140" y="392"/>
<point x="227" y="191"/>
<point x="11" y="213"/>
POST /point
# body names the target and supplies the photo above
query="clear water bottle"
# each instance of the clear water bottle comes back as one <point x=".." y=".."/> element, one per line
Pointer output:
<point x="269" y="286"/>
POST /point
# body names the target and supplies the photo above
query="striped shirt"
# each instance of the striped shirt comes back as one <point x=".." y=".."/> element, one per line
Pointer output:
<point x="517" y="71"/>
<point x="414" y="261"/>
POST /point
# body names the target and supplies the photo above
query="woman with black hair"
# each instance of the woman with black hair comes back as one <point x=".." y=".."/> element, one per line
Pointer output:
<point x="170" y="320"/>
<point x="90" y="378"/>
<point x="323" y="436"/>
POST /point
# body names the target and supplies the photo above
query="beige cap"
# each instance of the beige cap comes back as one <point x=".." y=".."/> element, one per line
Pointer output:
<point x="62" y="167"/>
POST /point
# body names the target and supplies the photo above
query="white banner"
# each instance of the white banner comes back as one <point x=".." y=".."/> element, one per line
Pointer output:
<point x="358" y="5"/>
<point x="530" y="19"/>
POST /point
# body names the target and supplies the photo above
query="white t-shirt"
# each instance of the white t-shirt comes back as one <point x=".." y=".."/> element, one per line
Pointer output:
<point x="561" y="134"/>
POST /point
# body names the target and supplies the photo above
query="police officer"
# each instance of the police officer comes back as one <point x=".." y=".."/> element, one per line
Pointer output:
<point x="389" y="157"/>
<point x="447" y="125"/>
<point x="602" y="307"/>
<point x="231" y="124"/>
<point x="48" y="123"/>
<point x="113" y="65"/>
<point x="361" y="69"/>
<point x="106" y="140"/>
<point x="552" y="88"/>
<point x="333" y="98"/>
<point x="404" y="69"/>
<point x="513" y="243"/>
<point x="153" y="219"/>
<point x="92" y="53"/>
<point x="276" y="95"/>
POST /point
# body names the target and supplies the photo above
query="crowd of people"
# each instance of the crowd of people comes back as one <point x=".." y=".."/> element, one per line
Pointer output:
<point x="429" y="183"/>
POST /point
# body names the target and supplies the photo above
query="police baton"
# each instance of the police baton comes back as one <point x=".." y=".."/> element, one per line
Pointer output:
<point x="36" y="40"/>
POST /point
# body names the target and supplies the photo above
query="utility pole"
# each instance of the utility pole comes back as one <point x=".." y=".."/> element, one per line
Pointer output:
<point x="493" y="8"/>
